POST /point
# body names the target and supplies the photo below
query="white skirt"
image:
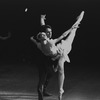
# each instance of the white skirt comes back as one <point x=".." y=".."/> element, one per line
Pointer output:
<point x="65" y="47"/>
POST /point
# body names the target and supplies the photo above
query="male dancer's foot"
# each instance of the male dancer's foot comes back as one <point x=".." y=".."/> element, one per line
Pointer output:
<point x="40" y="92"/>
<point x="40" y="95"/>
<point x="46" y="94"/>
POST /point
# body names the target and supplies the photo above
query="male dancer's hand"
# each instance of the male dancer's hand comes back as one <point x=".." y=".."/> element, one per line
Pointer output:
<point x="43" y="16"/>
<point x="31" y="37"/>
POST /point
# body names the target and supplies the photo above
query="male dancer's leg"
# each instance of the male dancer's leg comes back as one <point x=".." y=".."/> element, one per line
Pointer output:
<point x="45" y="74"/>
<point x="42" y="77"/>
<point x="49" y="73"/>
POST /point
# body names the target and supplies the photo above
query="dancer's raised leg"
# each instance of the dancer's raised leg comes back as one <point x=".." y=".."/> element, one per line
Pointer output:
<point x="79" y="19"/>
<point x="75" y="25"/>
<point x="72" y="33"/>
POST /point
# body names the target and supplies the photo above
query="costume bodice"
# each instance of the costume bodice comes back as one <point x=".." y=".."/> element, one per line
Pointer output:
<point x="49" y="48"/>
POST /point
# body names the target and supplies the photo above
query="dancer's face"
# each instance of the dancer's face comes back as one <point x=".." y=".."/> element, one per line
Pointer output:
<point x="49" y="32"/>
<point x="43" y="36"/>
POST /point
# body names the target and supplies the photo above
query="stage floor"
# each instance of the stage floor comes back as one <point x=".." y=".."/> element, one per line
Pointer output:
<point x="19" y="83"/>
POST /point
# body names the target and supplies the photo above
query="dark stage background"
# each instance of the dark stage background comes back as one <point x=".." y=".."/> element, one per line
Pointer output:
<point x="18" y="54"/>
<point x="60" y="15"/>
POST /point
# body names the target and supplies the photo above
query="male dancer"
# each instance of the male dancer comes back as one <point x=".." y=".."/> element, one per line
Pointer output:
<point x="44" y="66"/>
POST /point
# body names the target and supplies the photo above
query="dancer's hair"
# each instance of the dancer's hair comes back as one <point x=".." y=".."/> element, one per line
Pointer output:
<point x="39" y="35"/>
<point x="44" y="27"/>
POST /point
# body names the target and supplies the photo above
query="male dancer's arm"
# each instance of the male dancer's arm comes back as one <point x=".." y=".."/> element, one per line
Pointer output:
<point x="42" y="20"/>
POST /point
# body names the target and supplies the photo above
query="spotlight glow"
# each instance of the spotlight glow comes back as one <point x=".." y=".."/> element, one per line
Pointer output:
<point x="26" y="9"/>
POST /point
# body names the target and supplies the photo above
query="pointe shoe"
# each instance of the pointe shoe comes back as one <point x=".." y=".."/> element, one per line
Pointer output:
<point x="60" y="95"/>
<point x="79" y="19"/>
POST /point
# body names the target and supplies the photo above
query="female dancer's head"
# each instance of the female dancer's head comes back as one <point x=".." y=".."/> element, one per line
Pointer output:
<point x="42" y="36"/>
<point x="47" y="29"/>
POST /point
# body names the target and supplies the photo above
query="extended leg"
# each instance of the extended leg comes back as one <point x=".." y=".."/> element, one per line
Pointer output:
<point x="48" y="77"/>
<point x="71" y="37"/>
<point x="79" y="19"/>
<point x="75" y="25"/>
<point x="72" y="33"/>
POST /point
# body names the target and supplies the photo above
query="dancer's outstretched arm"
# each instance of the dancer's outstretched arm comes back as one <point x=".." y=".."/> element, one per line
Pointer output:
<point x="42" y="20"/>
